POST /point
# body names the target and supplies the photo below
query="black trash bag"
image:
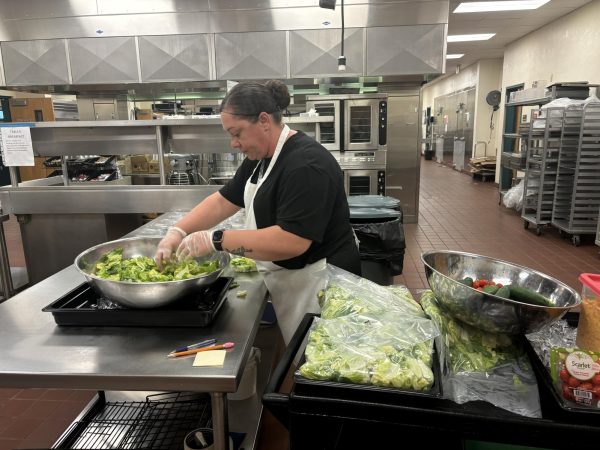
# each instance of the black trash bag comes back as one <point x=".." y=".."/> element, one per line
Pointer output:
<point x="382" y="242"/>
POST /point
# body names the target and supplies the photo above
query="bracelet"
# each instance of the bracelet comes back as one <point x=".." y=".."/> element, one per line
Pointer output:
<point x="181" y="231"/>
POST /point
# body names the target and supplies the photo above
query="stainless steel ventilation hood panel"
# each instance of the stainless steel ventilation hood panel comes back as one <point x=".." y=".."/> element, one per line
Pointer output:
<point x="53" y="19"/>
<point x="70" y="45"/>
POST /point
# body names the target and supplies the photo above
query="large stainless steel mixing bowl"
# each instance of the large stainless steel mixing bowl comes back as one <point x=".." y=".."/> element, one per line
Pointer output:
<point x="141" y="295"/>
<point x="444" y="269"/>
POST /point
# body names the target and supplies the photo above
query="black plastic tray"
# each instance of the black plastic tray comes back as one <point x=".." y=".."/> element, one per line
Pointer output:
<point x="367" y="392"/>
<point x="551" y="400"/>
<point x="279" y="403"/>
<point x="78" y="308"/>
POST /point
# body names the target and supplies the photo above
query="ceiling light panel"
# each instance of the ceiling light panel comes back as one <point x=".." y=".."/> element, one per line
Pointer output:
<point x="513" y="5"/>
<point x="455" y="55"/>
<point x="470" y="37"/>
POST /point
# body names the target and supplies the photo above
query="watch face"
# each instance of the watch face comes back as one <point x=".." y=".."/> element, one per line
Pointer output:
<point x="217" y="239"/>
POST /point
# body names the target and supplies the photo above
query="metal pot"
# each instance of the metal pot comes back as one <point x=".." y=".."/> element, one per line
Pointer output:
<point x="142" y="295"/>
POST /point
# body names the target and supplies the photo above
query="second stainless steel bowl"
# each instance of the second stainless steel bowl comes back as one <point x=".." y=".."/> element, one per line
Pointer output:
<point x="141" y="295"/>
<point x="445" y="268"/>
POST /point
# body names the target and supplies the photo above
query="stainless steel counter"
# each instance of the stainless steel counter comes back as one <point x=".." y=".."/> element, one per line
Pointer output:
<point x="35" y="352"/>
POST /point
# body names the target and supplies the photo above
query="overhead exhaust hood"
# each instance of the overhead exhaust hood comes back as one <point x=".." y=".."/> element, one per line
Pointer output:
<point x="71" y="45"/>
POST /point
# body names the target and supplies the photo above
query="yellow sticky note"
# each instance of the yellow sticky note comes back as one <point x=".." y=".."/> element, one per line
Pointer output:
<point x="210" y="358"/>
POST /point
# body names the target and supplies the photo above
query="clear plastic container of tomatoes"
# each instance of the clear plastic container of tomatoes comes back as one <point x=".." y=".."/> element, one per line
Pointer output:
<point x="576" y="376"/>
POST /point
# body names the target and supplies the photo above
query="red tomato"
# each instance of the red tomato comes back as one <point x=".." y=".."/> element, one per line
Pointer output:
<point x="573" y="382"/>
<point x="564" y="375"/>
<point x="492" y="283"/>
<point x="567" y="392"/>
<point x="596" y="379"/>
<point x="480" y="289"/>
<point x="500" y="285"/>
<point x="596" y="391"/>
<point x="586" y="386"/>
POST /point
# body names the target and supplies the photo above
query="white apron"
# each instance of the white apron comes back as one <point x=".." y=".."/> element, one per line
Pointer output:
<point x="293" y="292"/>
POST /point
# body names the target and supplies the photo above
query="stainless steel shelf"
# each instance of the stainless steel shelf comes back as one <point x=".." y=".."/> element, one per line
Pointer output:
<point x="534" y="102"/>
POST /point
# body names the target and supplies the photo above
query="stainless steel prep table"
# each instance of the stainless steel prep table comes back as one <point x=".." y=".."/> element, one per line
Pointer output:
<point x="36" y="353"/>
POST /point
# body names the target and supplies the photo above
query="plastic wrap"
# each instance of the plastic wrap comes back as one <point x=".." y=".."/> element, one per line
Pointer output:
<point x="558" y="334"/>
<point x="483" y="366"/>
<point x="514" y="197"/>
<point x="369" y="334"/>
<point x="395" y="352"/>
<point x="347" y="293"/>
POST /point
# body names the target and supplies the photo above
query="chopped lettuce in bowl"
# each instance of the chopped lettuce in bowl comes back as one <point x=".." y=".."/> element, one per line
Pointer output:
<point x="142" y="269"/>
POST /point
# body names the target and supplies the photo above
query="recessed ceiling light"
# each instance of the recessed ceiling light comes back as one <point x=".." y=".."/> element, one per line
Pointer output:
<point x="514" y="5"/>
<point x="470" y="37"/>
<point x="455" y="55"/>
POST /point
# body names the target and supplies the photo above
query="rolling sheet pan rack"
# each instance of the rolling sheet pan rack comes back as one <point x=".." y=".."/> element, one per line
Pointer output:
<point x="577" y="191"/>
<point x="543" y="143"/>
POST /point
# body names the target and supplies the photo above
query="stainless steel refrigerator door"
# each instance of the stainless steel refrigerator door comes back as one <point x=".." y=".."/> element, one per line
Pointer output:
<point x="361" y="129"/>
<point x="403" y="159"/>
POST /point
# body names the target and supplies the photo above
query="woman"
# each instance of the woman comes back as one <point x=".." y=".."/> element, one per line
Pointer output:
<point x="297" y="216"/>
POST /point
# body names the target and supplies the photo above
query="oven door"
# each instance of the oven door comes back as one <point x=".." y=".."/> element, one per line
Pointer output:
<point x="362" y="124"/>
<point x="327" y="133"/>
<point x="364" y="182"/>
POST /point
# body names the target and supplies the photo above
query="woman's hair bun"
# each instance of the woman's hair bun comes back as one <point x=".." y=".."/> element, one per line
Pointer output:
<point x="280" y="93"/>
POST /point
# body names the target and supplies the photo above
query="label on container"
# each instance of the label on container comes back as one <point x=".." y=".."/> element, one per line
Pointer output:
<point x="576" y="375"/>
<point x="581" y="365"/>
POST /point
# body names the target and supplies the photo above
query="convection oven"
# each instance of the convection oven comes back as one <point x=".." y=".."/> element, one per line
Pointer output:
<point x="360" y="121"/>
<point x="357" y="138"/>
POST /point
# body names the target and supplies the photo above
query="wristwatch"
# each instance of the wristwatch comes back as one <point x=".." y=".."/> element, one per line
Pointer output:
<point x="217" y="240"/>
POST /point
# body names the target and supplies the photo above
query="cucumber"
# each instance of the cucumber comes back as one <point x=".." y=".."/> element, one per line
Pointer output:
<point x="468" y="281"/>
<point x="490" y="289"/>
<point x="525" y="295"/>
<point x="503" y="292"/>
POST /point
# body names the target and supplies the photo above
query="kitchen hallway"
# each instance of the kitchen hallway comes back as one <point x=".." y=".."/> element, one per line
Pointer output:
<point x="456" y="212"/>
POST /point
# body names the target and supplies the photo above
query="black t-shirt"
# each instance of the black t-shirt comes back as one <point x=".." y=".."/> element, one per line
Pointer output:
<point x="304" y="195"/>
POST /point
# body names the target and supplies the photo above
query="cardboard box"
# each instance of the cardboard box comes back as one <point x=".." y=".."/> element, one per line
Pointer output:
<point x="139" y="164"/>
<point x="143" y="114"/>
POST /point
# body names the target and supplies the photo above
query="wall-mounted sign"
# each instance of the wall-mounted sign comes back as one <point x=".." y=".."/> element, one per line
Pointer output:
<point x="16" y="147"/>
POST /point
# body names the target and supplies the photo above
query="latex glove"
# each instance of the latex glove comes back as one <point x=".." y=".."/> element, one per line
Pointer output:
<point x="196" y="244"/>
<point x="168" y="245"/>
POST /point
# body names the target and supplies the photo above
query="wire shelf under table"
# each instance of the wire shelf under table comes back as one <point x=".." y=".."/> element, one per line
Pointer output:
<point x="161" y="422"/>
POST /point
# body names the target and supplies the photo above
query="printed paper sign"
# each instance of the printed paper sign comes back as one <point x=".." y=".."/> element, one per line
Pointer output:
<point x="16" y="146"/>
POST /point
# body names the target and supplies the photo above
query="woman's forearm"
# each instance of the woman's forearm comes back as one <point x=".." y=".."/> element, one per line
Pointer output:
<point x="267" y="244"/>
<point x="211" y="211"/>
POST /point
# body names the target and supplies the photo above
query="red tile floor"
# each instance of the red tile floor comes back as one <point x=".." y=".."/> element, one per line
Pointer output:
<point x="456" y="212"/>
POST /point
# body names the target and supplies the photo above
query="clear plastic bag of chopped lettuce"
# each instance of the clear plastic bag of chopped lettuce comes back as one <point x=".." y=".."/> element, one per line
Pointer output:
<point x="142" y="269"/>
<point x="347" y="294"/>
<point x="391" y="352"/>
<point x="479" y="365"/>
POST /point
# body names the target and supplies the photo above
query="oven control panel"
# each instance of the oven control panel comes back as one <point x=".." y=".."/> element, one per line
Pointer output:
<point x="381" y="182"/>
<point x="382" y="123"/>
<point x="361" y="160"/>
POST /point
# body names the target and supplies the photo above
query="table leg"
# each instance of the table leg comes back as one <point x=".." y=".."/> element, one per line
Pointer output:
<point x="220" y="420"/>
<point x="5" y="275"/>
